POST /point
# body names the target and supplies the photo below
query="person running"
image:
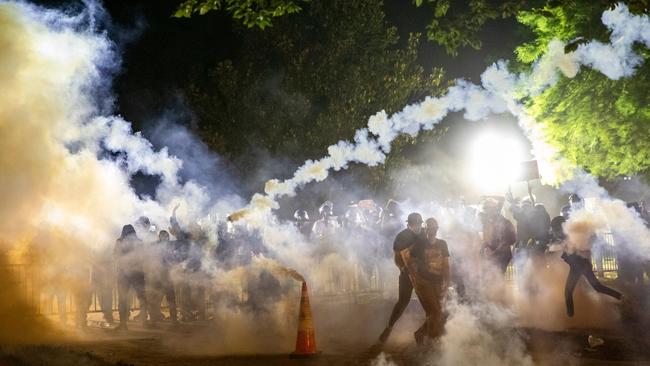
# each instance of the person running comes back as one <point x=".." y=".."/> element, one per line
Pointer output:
<point x="427" y="263"/>
<point x="577" y="255"/>
<point x="404" y="239"/>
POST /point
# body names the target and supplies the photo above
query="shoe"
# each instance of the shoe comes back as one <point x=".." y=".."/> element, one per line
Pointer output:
<point x="122" y="327"/>
<point x="385" y="334"/>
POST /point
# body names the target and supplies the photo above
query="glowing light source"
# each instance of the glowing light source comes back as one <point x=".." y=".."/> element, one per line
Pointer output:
<point x="494" y="162"/>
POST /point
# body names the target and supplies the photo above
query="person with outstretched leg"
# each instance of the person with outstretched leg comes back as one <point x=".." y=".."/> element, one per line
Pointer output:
<point x="580" y="235"/>
<point x="405" y="239"/>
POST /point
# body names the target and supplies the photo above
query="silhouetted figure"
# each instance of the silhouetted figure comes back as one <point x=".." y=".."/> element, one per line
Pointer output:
<point x="159" y="278"/>
<point x="577" y="255"/>
<point x="498" y="234"/>
<point x="405" y="239"/>
<point x="130" y="274"/>
<point x="427" y="262"/>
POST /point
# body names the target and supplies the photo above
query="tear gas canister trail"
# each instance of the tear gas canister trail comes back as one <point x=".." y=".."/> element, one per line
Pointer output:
<point x="500" y="91"/>
<point x="53" y="137"/>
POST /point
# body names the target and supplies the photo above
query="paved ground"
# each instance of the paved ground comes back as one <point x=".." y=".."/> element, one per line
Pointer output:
<point x="144" y="347"/>
<point x="345" y="339"/>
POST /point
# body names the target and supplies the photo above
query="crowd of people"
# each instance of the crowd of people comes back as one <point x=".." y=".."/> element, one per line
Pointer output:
<point x="423" y="259"/>
<point x="172" y="264"/>
<point x="155" y="267"/>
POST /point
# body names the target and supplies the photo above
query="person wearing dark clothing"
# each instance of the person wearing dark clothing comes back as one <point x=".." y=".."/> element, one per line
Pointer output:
<point x="557" y="230"/>
<point x="193" y="288"/>
<point x="190" y="245"/>
<point x="577" y="255"/>
<point x="576" y="203"/>
<point x="427" y="263"/>
<point x="159" y="278"/>
<point x="405" y="239"/>
<point x="130" y="274"/>
<point x="581" y="266"/>
<point x="533" y="224"/>
<point x="533" y="234"/>
<point x="498" y="235"/>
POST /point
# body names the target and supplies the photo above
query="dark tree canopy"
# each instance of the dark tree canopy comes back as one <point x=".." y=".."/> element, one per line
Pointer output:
<point x="309" y="81"/>
<point x="319" y="72"/>
<point x="458" y="24"/>
<point x="251" y="13"/>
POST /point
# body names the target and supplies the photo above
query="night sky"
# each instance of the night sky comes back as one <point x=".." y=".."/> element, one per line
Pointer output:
<point x="159" y="51"/>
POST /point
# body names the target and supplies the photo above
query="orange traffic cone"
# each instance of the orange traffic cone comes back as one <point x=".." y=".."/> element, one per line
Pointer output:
<point x="306" y="339"/>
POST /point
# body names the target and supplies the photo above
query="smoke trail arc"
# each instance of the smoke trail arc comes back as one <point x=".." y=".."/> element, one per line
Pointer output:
<point x="500" y="91"/>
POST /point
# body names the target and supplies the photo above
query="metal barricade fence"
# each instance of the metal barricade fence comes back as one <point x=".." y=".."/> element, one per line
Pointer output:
<point x="604" y="254"/>
<point x="45" y="301"/>
<point x="603" y="257"/>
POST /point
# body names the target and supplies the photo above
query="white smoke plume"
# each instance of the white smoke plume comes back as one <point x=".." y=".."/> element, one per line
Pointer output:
<point x="67" y="165"/>
<point x="54" y="61"/>
<point x="479" y="334"/>
<point x="500" y="91"/>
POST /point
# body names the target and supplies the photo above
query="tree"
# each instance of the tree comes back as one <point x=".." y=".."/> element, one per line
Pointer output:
<point x="600" y="124"/>
<point x="252" y="13"/>
<point x="310" y="81"/>
<point x="457" y="24"/>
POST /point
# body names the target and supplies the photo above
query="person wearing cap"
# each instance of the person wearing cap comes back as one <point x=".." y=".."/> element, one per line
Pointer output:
<point x="427" y="262"/>
<point x="404" y="240"/>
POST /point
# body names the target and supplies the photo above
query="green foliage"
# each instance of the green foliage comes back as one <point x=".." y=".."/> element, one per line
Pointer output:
<point x="564" y="22"/>
<point x="600" y="124"/>
<point x="252" y="13"/>
<point x="310" y="81"/>
<point x="458" y="24"/>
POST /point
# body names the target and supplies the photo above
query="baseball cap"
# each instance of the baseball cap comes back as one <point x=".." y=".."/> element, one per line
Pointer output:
<point x="414" y="218"/>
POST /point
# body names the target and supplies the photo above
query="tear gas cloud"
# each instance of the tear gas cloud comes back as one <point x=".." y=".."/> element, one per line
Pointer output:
<point x="67" y="165"/>
<point x="67" y="168"/>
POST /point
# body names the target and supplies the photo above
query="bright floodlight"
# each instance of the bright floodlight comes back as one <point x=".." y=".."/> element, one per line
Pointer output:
<point x="494" y="162"/>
